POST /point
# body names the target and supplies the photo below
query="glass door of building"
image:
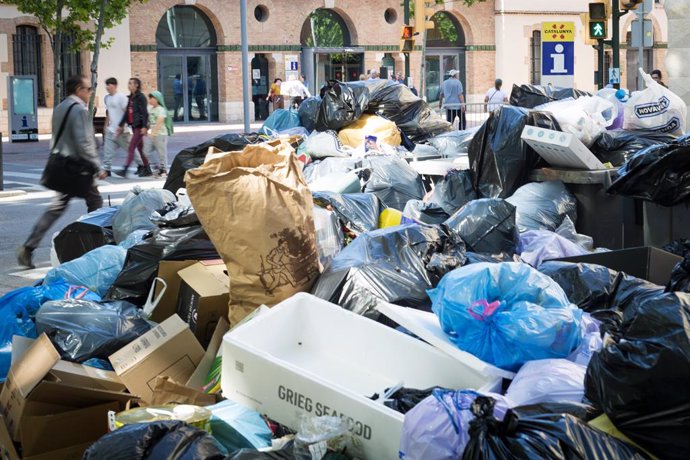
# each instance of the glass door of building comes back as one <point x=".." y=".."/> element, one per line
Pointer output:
<point x="187" y="83"/>
<point x="437" y="69"/>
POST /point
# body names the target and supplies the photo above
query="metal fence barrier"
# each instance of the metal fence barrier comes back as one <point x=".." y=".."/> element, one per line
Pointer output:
<point x="475" y="113"/>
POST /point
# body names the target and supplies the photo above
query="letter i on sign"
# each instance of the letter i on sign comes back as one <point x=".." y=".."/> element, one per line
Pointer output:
<point x="559" y="60"/>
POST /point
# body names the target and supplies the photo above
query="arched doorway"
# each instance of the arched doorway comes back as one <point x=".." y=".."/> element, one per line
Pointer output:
<point x="327" y="50"/>
<point x="445" y="51"/>
<point x="187" y="64"/>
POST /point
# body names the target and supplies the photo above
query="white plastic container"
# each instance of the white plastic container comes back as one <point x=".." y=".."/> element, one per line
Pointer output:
<point x="306" y="355"/>
<point x="560" y="149"/>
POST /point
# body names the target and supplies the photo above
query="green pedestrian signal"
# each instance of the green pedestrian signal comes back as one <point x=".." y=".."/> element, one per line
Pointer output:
<point x="597" y="30"/>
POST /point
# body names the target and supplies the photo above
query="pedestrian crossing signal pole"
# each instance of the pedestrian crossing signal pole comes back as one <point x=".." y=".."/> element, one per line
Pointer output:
<point x="406" y="14"/>
<point x="422" y="18"/>
<point x="597" y="29"/>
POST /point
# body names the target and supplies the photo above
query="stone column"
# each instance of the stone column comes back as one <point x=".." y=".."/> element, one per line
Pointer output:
<point x="678" y="56"/>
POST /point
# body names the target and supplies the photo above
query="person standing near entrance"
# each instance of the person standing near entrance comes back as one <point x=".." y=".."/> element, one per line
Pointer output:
<point x="137" y="118"/>
<point x="495" y="97"/>
<point x="75" y="139"/>
<point x="451" y="97"/>
<point x="656" y="76"/>
<point x="274" y="95"/>
<point x="116" y="106"/>
<point x="295" y="91"/>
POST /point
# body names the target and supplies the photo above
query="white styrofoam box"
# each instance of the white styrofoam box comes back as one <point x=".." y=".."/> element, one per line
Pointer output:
<point x="306" y="355"/>
<point x="560" y="149"/>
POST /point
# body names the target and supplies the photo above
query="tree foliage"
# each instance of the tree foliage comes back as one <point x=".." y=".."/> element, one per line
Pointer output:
<point x="325" y="30"/>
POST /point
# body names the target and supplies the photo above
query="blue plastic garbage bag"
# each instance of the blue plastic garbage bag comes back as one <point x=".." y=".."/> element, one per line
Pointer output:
<point x="14" y="320"/>
<point x="238" y="427"/>
<point x="32" y="297"/>
<point x="96" y="270"/>
<point x="280" y="120"/>
<point x="506" y="314"/>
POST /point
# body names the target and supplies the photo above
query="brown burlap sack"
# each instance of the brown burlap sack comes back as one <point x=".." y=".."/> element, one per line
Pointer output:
<point x="257" y="210"/>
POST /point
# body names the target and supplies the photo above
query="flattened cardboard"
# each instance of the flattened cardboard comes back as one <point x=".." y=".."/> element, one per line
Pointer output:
<point x="167" y="271"/>
<point x="203" y="297"/>
<point x="167" y="391"/>
<point x="169" y="349"/>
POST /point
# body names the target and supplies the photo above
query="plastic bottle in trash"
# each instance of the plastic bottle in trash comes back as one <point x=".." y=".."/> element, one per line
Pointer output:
<point x="618" y="109"/>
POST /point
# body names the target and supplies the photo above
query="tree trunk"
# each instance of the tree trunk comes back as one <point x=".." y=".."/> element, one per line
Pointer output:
<point x="57" y="54"/>
<point x="96" y="54"/>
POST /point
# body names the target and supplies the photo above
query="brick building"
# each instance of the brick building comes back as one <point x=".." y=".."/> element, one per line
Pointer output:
<point x="190" y="49"/>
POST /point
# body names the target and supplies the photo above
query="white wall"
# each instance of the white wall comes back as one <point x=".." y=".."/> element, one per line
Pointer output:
<point x="114" y="62"/>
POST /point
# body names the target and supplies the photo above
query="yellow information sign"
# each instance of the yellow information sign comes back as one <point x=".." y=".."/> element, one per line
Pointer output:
<point x="557" y="31"/>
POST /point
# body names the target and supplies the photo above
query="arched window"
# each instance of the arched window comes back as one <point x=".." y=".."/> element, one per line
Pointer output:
<point x="26" y="45"/>
<point x="447" y="32"/>
<point x="185" y="27"/>
<point x="325" y="28"/>
<point x="535" y="57"/>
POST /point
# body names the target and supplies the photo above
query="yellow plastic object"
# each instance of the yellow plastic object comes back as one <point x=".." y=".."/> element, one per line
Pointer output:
<point x="604" y="423"/>
<point x="386" y="132"/>
<point x="199" y="417"/>
<point x="390" y="218"/>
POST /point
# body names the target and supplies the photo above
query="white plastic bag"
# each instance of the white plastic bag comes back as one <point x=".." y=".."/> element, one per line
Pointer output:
<point x="586" y="117"/>
<point x="323" y="145"/>
<point x="655" y="109"/>
<point x="547" y="380"/>
<point x="329" y="235"/>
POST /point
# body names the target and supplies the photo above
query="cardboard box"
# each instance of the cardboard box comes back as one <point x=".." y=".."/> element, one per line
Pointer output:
<point x="167" y="271"/>
<point x="169" y="350"/>
<point x="203" y="297"/>
<point x="38" y="406"/>
<point x="306" y="355"/>
<point x="648" y="263"/>
<point x="8" y="451"/>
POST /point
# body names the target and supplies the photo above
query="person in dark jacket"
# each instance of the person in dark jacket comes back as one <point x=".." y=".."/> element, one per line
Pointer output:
<point x="136" y="117"/>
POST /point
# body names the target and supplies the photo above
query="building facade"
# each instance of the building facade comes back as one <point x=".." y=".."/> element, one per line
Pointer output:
<point x="190" y="50"/>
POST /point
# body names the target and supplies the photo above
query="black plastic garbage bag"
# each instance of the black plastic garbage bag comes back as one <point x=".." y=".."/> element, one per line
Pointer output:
<point x="579" y="410"/>
<point x="141" y="264"/>
<point x="486" y="226"/>
<point x="660" y="173"/>
<point x="251" y="454"/>
<point x="454" y="191"/>
<point x="425" y="212"/>
<point x="543" y="206"/>
<point x="642" y="380"/>
<point x="163" y="440"/>
<point x="393" y="180"/>
<point x="543" y="436"/>
<point x="475" y="258"/>
<point x="589" y="286"/>
<point x="83" y="329"/>
<point x="530" y="96"/>
<point x="193" y="157"/>
<point x="500" y="162"/>
<point x="388" y="264"/>
<point x="308" y="111"/>
<point x="397" y="103"/>
<point x="89" y="232"/>
<point x="341" y="105"/>
<point x="454" y="143"/>
<point x="618" y="146"/>
<point x="358" y="212"/>
<point x="680" y="276"/>
<point x="405" y="399"/>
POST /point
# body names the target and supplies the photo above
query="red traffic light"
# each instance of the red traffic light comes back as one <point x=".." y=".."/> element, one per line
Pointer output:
<point x="407" y="32"/>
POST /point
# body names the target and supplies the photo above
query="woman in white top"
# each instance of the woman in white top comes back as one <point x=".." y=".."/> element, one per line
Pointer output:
<point x="495" y="98"/>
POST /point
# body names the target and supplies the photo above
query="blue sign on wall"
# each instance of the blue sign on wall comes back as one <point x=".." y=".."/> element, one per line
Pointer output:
<point x="557" y="58"/>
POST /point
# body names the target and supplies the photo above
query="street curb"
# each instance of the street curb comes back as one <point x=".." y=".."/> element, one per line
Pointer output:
<point x="10" y="193"/>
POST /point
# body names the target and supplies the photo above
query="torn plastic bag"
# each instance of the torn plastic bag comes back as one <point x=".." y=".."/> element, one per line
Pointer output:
<point x="616" y="147"/>
<point x="135" y="212"/>
<point x="387" y="264"/>
<point x="89" y="232"/>
<point x="329" y="236"/>
<point x="506" y="314"/>
<point x="655" y="108"/>
<point x="280" y="120"/>
<point x="321" y="434"/>
<point x="141" y="265"/>
<point x="537" y="246"/>
<point x="393" y="181"/>
<point x="438" y="427"/>
<point x="453" y="191"/>
<point x="397" y="103"/>
<point x="486" y="226"/>
<point x="426" y="213"/>
<point x="530" y="96"/>
<point x="237" y="427"/>
<point x="162" y="440"/>
<point x="320" y="145"/>
<point x="358" y="212"/>
<point x="589" y="286"/>
<point x="544" y="436"/>
<point x="82" y="329"/>
<point x="319" y="169"/>
<point x="454" y="143"/>
<point x="547" y="380"/>
<point x="658" y="173"/>
<point x="680" y="276"/>
<point x="341" y="105"/>
<point x="641" y="379"/>
<point x="500" y="162"/>
<point x="96" y="270"/>
<point x="175" y="215"/>
<point x="307" y="112"/>
<point x="193" y="157"/>
<point x="543" y="205"/>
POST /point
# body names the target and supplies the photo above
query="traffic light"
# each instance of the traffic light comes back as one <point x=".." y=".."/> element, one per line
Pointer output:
<point x="631" y="4"/>
<point x="407" y="39"/>
<point x="598" y="20"/>
<point x="423" y="12"/>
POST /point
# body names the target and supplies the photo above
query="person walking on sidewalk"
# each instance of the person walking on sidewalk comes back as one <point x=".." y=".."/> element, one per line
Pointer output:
<point x="495" y="97"/>
<point x="161" y="127"/>
<point x="452" y="98"/>
<point x="76" y="139"/>
<point x="137" y="118"/>
<point x="116" y="106"/>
